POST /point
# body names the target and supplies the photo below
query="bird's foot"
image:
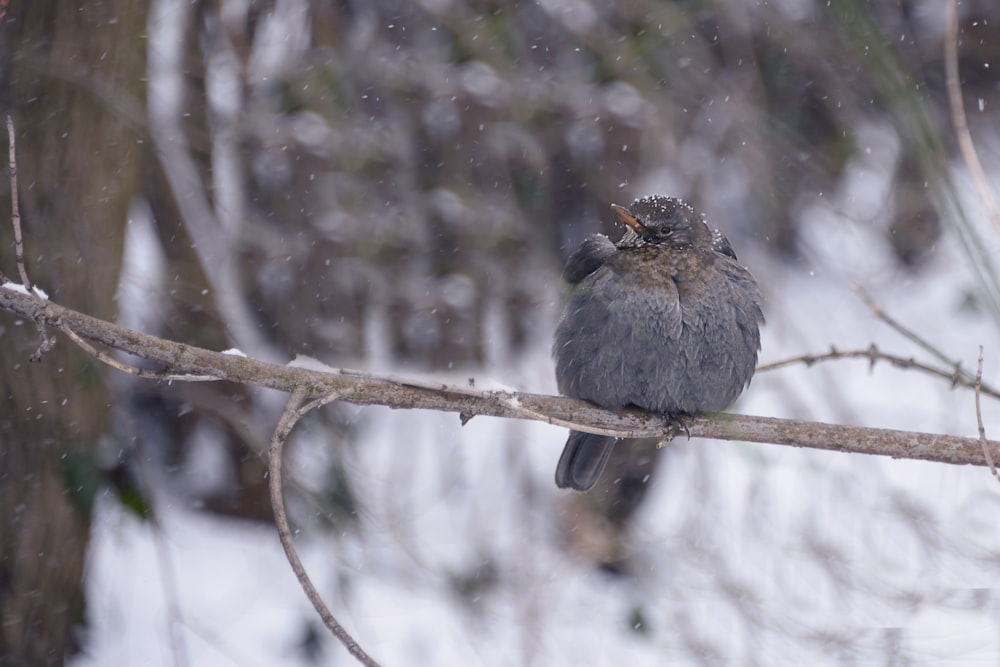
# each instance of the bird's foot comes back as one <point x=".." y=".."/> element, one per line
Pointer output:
<point x="678" y="423"/>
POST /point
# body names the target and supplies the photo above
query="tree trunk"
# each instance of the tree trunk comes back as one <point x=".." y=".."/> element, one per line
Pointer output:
<point x="72" y="77"/>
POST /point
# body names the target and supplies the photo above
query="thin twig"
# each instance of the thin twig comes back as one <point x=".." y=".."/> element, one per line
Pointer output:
<point x="168" y="581"/>
<point x="873" y="354"/>
<point x="132" y="370"/>
<point x="979" y="418"/>
<point x="514" y="404"/>
<point x="15" y="213"/>
<point x="293" y="412"/>
<point x="672" y="431"/>
<point x="914" y="337"/>
<point x="959" y="120"/>
<point x="45" y="344"/>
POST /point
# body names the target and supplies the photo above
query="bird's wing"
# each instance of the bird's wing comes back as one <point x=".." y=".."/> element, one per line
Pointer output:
<point x="590" y="256"/>
<point x="736" y="304"/>
<point x="614" y="321"/>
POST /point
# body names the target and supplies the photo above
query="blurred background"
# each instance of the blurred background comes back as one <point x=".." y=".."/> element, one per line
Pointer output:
<point x="394" y="186"/>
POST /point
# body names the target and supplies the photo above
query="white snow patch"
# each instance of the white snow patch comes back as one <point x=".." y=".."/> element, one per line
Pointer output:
<point x="15" y="287"/>
<point x="21" y="289"/>
<point x="311" y="364"/>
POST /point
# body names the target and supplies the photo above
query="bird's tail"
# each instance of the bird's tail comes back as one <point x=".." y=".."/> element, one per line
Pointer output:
<point x="583" y="460"/>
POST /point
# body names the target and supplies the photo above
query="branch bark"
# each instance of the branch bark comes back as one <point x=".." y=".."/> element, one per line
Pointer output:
<point x="362" y="388"/>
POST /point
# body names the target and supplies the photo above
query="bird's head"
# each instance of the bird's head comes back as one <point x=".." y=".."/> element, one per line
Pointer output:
<point x="661" y="221"/>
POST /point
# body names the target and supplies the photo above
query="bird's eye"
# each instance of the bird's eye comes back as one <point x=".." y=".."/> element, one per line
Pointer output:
<point x="664" y="230"/>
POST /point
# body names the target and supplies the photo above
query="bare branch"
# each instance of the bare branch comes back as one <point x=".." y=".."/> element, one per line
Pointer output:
<point x="979" y="417"/>
<point x="918" y="340"/>
<point x="959" y="120"/>
<point x="363" y="388"/>
<point x="873" y="355"/>
<point x="15" y="213"/>
<point x="125" y="368"/>
<point x="168" y="582"/>
<point x="294" y="410"/>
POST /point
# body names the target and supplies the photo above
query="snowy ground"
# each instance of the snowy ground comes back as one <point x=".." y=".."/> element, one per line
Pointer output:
<point x="753" y="554"/>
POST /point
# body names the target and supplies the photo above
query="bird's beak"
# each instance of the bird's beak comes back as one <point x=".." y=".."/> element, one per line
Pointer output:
<point x="628" y="219"/>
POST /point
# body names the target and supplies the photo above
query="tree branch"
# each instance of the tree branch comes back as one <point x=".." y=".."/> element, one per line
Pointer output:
<point x="954" y="375"/>
<point x="361" y="388"/>
<point x="294" y="411"/>
<point x="15" y="209"/>
<point x="959" y="120"/>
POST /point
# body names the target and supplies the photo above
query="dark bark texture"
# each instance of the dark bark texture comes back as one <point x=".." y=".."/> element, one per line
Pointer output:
<point x="68" y="71"/>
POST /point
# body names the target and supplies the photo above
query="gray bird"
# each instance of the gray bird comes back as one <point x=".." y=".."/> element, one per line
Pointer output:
<point x="665" y="320"/>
